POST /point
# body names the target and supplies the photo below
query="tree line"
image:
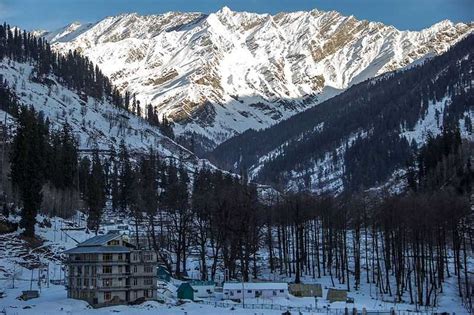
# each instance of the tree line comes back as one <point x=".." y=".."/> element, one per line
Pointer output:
<point x="406" y="246"/>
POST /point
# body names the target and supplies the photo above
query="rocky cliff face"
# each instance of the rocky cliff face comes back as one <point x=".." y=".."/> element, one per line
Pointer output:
<point x="220" y="74"/>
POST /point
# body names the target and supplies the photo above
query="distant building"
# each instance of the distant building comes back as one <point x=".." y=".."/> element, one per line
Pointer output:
<point x="185" y="291"/>
<point x="336" y="295"/>
<point x="306" y="290"/>
<point x="203" y="289"/>
<point x="108" y="270"/>
<point x="237" y="290"/>
<point x="196" y="289"/>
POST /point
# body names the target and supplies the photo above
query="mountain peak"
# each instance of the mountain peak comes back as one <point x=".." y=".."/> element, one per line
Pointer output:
<point x="225" y="10"/>
<point x="442" y="25"/>
<point x="220" y="74"/>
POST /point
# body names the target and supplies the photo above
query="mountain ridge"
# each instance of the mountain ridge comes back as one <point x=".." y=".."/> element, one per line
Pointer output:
<point x="219" y="74"/>
<point x="364" y="135"/>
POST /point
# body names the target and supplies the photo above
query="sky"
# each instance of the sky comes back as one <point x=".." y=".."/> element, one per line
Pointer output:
<point x="403" y="14"/>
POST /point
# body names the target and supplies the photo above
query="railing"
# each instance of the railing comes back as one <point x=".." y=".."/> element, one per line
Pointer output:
<point x="97" y="261"/>
<point x="329" y="311"/>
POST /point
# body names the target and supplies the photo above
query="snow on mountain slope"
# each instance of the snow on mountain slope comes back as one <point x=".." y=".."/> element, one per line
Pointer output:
<point x="94" y="122"/>
<point x="223" y="73"/>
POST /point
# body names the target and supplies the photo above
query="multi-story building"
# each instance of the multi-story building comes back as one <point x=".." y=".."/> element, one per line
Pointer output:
<point x="108" y="270"/>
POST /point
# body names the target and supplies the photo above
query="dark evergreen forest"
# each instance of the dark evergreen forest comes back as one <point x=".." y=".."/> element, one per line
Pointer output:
<point x="375" y="112"/>
<point x="73" y="70"/>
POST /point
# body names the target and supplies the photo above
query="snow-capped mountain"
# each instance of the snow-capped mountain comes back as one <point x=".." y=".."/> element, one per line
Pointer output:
<point x="365" y="136"/>
<point x="220" y="74"/>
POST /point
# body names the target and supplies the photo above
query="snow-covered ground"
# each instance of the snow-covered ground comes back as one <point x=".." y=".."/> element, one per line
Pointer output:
<point x="53" y="299"/>
<point x="94" y="122"/>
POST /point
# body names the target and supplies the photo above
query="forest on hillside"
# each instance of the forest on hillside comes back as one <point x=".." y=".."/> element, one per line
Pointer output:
<point x="73" y="70"/>
<point x="407" y="246"/>
<point x="366" y="121"/>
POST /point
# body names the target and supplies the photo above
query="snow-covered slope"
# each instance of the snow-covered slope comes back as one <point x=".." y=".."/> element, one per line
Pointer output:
<point x="94" y="122"/>
<point x="223" y="73"/>
<point x="379" y="120"/>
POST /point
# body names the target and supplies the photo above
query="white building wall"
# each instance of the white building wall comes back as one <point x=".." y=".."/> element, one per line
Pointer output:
<point x="204" y="291"/>
<point x="230" y="294"/>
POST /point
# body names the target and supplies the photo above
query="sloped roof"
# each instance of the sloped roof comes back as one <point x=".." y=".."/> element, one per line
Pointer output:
<point x="199" y="283"/>
<point x="256" y="286"/>
<point x="97" y="249"/>
<point x="100" y="240"/>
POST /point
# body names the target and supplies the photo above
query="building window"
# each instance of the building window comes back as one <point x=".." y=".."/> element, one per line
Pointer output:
<point x="86" y="270"/>
<point x="281" y="291"/>
<point x="120" y="257"/>
<point x="148" y="269"/>
<point x="86" y="282"/>
<point x="274" y="293"/>
<point x="249" y="291"/>
<point x="78" y="282"/>
<point x="107" y="257"/>
<point x="94" y="270"/>
<point x="106" y="269"/>
<point x="107" y="282"/>
<point x="148" y="281"/>
<point x="107" y="296"/>
<point x="135" y="256"/>
<point x="238" y="291"/>
<point x="135" y="281"/>
<point x="135" y="269"/>
<point x="71" y="270"/>
<point x="79" y="270"/>
<point x="147" y="256"/>
<point x="231" y="293"/>
<point x="114" y="242"/>
<point x="94" y="283"/>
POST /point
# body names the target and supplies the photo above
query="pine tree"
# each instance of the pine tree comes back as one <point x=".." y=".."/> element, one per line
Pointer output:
<point x="125" y="178"/>
<point x="114" y="180"/>
<point x="28" y="161"/>
<point x="96" y="193"/>
<point x="84" y="169"/>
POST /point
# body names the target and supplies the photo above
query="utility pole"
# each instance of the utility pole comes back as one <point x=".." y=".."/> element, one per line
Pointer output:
<point x="14" y="276"/>
<point x="4" y="138"/>
<point x="31" y="280"/>
<point x="243" y="292"/>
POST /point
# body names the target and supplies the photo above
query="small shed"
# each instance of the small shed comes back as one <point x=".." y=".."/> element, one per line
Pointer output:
<point x="185" y="291"/>
<point x="306" y="290"/>
<point x="336" y="295"/>
<point x="29" y="294"/>
<point x="163" y="274"/>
